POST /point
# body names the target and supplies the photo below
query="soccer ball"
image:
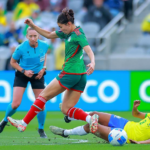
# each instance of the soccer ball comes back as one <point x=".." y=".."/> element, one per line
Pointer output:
<point x="117" y="137"/>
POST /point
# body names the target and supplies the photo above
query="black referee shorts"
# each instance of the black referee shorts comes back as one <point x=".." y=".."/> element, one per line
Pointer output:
<point x="21" y="81"/>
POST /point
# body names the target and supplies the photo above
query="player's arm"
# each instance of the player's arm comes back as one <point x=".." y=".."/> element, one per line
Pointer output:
<point x="140" y="142"/>
<point x="44" y="65"/>
<point x="90" y="53"/>
<point x="15" y="65"/>
<point x="45" y="60"/>
<point x="45" y="33"/>
<point x="15" y="58"/>
<point x="135" y="111"/>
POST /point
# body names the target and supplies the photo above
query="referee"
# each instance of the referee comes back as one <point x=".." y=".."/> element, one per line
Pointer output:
<point x="31" y="55"/>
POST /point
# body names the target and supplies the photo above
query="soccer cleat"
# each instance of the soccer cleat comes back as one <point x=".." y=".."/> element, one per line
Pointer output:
<point x="2" y="125"/>
<point x="17" y="124"/>
<point x="66" y="119"/>
<point x="58" y="131"/>
<point x="42" y="133"/>
<point x="94" y="123"/>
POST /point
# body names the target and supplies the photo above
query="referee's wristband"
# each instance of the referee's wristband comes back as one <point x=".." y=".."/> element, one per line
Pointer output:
<point x="23" y="71"/>
<point x="44" y="67"/>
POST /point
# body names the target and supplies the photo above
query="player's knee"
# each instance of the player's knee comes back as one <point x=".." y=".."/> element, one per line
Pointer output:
<point x="43" y="108"/>
<point x="15" y="106"/>
<point x="64" y="111"/>
<point x="92" y="113"/>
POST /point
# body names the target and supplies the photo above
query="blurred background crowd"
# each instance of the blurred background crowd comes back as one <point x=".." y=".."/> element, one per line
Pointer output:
<point x="92" y="15"/>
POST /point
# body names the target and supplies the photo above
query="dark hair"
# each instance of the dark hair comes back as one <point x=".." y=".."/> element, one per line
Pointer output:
<point x="66" y="16"/>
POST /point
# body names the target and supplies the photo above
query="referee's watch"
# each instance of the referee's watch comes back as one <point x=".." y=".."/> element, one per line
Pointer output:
<point x="23" y="70"/>
<point x="44" y="67"/>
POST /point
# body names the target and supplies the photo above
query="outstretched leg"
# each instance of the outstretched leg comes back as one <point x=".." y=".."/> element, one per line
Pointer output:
<point x="49" y="92"/>
<point x="102" y="131"/>
<point x="104" y="118"/>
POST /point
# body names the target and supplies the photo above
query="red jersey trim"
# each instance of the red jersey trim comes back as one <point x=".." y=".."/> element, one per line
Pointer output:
<point x="61" y="74"/>
<point x="76" y="90"/>
<point x="72" y="55"/>
<point x="63" y="85"/>
<point x="77" y="31"/>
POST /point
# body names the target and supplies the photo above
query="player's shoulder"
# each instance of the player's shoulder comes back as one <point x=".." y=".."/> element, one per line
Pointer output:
<point x="78" y="32"/>
<point x="22" y="45"/>
<point x="147" y="114"/>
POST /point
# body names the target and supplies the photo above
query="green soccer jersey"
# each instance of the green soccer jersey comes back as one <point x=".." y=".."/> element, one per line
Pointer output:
<point x="74" y="43"/>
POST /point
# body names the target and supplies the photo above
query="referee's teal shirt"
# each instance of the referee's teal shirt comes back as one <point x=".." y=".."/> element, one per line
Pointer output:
<point x="31" y="58"/>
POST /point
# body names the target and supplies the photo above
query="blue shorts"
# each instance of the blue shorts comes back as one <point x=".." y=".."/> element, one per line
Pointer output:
<point x="117" y="122"/>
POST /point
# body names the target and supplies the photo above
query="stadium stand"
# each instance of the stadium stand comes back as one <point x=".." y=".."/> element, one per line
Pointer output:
<point x="106" y="40"/>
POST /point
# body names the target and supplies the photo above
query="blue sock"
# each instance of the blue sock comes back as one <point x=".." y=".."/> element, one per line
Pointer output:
<point x="41" y="116"/>
<point x="9" y="112"/>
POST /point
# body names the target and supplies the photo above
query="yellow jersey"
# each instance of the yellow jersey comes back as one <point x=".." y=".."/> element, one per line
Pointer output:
<point x="146" y="24"/>
<point x="24" y="10"/>
<point x="138" y="131"/>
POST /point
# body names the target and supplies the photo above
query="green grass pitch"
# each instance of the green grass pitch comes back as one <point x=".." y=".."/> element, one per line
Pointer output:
<point x="11" y="139"/>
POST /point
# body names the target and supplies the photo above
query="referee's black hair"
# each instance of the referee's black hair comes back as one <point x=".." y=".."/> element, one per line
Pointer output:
<point x="66" y="16"/>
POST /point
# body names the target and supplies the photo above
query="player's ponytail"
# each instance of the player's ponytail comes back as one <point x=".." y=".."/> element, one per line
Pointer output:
<point x="66" y="16"/>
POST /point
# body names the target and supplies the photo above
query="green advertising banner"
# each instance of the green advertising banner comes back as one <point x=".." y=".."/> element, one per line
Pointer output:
<point x="140" y="89"/>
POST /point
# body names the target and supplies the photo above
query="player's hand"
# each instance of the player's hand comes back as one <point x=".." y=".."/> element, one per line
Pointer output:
<point x="136" y="103"/>
<point x="29" y="22"/>
<point x="91" y="68"/>
<point x="40" y="74"/>
<point x="29" y="73"/>
<point x="134" y="142"/>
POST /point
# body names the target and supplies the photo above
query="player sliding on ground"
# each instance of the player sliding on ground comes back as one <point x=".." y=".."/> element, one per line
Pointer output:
<point x="138" y="132"/>
<point x="72" y="78"/>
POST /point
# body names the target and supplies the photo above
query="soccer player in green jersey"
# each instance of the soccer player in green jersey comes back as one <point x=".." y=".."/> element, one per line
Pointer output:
<point x="72" y="78"/>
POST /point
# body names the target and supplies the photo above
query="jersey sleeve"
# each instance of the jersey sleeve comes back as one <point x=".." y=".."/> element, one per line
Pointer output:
<point x="61" y="35"/>
<point x="17" y="53"/>
<point x="81" y="40"/>
<point x="147" y="114"/>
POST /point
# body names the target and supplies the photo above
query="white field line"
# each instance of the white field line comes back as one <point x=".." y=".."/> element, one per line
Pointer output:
<point x="76" y="141"/>
<point x="40" y="138"/>
<point x="20" y="137"/>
